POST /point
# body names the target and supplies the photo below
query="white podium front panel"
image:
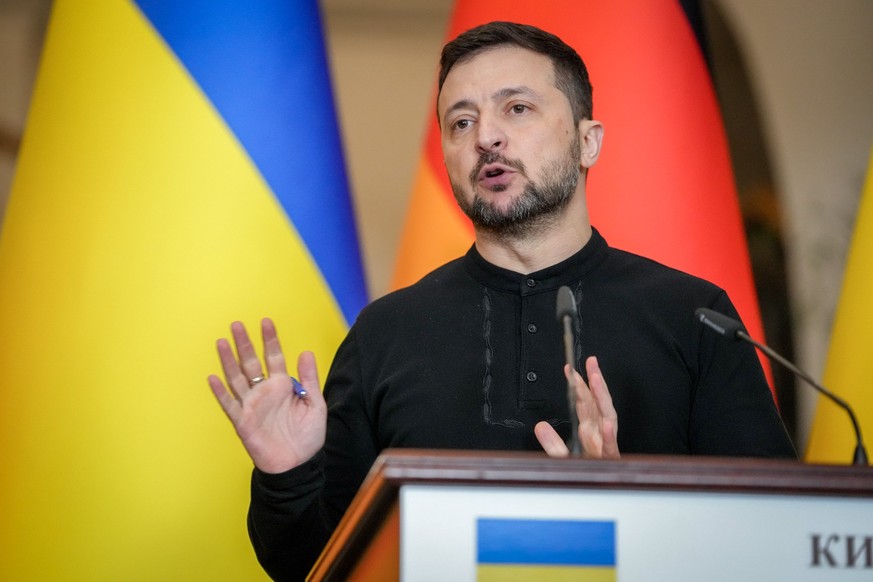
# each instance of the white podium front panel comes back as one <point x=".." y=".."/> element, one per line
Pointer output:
<point x="671" y="536"/>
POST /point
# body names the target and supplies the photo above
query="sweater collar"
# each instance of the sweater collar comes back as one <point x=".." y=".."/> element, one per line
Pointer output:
<point x="570" y="270"/>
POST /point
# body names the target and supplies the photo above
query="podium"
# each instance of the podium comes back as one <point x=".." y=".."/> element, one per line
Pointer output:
<point x="425" y="515"/>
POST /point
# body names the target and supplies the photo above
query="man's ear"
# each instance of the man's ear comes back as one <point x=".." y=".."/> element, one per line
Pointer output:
<point x="590" y="140"/>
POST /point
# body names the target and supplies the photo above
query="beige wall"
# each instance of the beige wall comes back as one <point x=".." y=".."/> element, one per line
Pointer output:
<point x="810" y="62"/>
<point x="21" y="29"/>
<point x="384" y="63"/>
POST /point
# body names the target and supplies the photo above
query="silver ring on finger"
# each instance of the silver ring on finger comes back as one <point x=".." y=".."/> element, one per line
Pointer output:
<point x="256" y="379"/>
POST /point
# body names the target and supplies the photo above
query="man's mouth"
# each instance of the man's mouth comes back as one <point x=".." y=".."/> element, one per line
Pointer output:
<point x="495" y="172"/>
<point x="495" y="177"/>
<point x="492" y="171"/>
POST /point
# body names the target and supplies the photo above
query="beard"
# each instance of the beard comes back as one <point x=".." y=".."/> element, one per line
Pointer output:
<point x="538" y="205"/>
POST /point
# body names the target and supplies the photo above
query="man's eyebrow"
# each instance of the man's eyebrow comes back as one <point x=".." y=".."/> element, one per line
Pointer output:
<point x="507" y="92"/>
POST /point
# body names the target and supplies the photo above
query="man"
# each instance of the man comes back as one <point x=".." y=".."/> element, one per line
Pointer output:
<point x="470" y="357"/>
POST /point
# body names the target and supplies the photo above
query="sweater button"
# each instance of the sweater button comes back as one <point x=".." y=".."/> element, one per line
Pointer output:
<point x="531" y="328"/>
<point x="531" y="283"/>
<point x="531" y="377"/>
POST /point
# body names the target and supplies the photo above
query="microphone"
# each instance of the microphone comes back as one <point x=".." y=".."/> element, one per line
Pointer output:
<point x="729" y="327"/>
<point x="565" y="308"/>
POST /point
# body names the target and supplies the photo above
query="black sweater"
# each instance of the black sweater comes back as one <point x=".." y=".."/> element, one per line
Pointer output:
<point x="471" y="357"/>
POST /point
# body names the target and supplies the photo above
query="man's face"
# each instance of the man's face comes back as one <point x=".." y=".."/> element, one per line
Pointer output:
<point x="510" y="146"/>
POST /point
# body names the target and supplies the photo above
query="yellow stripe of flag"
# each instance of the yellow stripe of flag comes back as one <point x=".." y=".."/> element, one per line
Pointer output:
<point x="526" y="573"/>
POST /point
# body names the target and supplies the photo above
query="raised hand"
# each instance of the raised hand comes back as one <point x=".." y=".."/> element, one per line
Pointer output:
<point x="598" y="421"/>
<point x="278" y="429"/>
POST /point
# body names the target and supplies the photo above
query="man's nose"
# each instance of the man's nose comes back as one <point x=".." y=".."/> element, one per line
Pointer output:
<point x="491" y="136"/>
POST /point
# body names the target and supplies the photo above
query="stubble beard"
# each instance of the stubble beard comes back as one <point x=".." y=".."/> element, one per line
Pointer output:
<point x="539" y="205"/>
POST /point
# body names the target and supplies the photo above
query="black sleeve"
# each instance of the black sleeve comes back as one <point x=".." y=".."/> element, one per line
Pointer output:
<point x="286" y="521"/>
<point x="733" y="412"/>
<point x="350" y="448"/>
<point x="292" y="514"/>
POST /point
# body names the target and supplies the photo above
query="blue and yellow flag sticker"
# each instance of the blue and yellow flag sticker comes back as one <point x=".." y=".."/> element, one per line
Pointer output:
<point x="547" y="550"/>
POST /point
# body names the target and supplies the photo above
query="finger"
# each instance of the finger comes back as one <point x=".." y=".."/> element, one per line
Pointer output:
<point x="308" y="372"/>
<point x="589" y="416"/>
<point x="610" y="440"/>
<point x="237" y="382"/>
<point x="608" y="415"/>
<point x="549" y="439"/>
<point x="584" y="399"/>
<point x="599" y="390"/>
<point x="272" y="350"/>
<point x="248" y="359"/>
<point x="228" y="403"/>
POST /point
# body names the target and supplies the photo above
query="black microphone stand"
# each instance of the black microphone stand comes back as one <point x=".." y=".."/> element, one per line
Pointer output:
<point x="726" y="326"/>
<point x="860" y="455"/>
<point x="567" y="313"/>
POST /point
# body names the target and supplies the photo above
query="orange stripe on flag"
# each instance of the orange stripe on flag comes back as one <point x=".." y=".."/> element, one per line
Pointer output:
<point x="435" y="231"/>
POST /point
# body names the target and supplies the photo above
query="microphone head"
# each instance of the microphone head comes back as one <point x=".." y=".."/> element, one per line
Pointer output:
<point x="721" y="324"/>
<point x="565" y="304"/>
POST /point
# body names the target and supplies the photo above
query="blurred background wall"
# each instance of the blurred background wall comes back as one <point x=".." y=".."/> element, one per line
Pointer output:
<point x="794" y="77"/>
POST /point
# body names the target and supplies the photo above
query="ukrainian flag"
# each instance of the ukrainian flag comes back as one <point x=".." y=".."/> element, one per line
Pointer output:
<point x="181" y="168"/>
<point x="510" y="550"/>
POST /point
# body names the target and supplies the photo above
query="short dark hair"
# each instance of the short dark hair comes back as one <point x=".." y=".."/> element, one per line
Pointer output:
<point x="571" y="75"/>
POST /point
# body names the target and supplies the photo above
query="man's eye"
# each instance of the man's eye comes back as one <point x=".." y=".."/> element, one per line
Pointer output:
<point x="518" y="108"/>
<point x="462" y="124"/>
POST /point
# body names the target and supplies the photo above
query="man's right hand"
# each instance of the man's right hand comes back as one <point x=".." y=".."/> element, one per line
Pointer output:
<point x="278" y="429"/>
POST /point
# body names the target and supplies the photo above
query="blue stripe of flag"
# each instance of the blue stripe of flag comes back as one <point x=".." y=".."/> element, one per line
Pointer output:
<point x="263" y="66"/>
<point x="552" y="542"/>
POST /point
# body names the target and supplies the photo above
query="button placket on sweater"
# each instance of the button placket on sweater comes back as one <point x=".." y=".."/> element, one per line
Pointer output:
<point x="531" y="291"/>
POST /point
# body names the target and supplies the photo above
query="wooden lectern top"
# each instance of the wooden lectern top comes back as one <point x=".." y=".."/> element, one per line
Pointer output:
<point x="365" y="545"/>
